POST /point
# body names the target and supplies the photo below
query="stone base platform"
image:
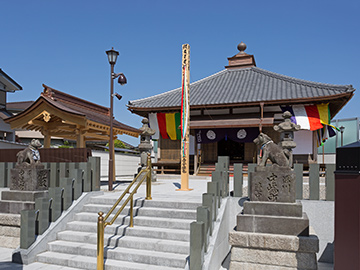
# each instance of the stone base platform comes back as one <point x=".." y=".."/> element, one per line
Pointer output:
<point x="13" y="201"/>
<point x="273" y="217"/>
<point x="262" y="251"/>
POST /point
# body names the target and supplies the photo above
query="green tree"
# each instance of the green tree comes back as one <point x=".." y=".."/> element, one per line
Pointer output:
<point x="66" y="145"/>
<point x="118" y="144"/>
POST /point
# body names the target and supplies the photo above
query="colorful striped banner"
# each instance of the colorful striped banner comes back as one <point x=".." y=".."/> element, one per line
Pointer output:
<point x="162" y="125"/>
<point x="313" y="117"/>
<point x="307" y="117"/>
<point x="166" y="124"/>
<point x="153" y="122"/>
<point x="170" y="125"/>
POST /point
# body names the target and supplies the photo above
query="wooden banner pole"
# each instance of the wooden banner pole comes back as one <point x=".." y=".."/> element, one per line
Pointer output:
<point x="185" y="144"/>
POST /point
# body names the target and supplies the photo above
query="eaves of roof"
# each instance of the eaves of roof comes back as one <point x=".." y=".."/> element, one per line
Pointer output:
<point x="79" y="111"/>
<point x="244" y="87"/>
<point x="9" y="82"/>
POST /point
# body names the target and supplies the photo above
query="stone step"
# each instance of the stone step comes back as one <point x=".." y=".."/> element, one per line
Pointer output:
<point x="151" y="257"/>
<point x="144" y="211"/>
<point x="106" y="200"/>
<point x="85" y="262"/>
<point x="141" y="231"/>
<point x="45" y="266"/>
<point x="161" y="245"/>
<point x="172" y="223"/>
<point x="10" y="219"/>
<point x="9" y="241"/>
<point x="13" y="231"/>
<point x="141" y="242"/>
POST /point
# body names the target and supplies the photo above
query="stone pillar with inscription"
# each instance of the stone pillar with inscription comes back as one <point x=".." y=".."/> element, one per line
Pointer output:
<point x="29" y="180"/>
<point x="272" y="232"/>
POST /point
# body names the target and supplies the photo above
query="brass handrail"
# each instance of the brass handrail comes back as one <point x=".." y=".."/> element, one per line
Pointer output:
<point x="144" y="173"/>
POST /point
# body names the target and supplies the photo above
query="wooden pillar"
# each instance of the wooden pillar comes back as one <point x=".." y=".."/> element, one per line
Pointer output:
<point x="80" y="138"/>
<point x="262" y="115"/>
<point x="47" y="138"/>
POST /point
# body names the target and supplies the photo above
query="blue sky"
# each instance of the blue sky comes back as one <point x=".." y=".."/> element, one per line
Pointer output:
<point x="63" y="43"/>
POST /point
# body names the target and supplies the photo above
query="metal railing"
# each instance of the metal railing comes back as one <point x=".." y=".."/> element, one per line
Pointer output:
<point x="102" y="223"/>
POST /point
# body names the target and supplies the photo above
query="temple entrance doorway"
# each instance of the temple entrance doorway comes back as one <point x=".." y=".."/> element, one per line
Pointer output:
<point x="234" y="150"/>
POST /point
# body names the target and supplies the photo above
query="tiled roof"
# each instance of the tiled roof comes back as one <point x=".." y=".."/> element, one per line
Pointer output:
<point x="8" y="83"/>
<point x="18" y="105"/>
<point x="75" y="105"/>
<point x="245" y="85"/>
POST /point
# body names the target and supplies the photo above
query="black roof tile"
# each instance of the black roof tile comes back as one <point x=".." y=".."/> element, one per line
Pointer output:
<point x="243" y="86"/>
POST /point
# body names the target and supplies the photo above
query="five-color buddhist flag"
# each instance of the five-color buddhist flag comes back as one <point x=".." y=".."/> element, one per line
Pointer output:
<point x="307" y="117"/>
<point x="313" y="117"/>
<point x="154" y="125"/>
<point x="165" y="124"/>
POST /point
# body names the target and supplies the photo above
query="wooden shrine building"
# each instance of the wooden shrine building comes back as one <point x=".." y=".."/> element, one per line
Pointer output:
<point x="57" y="114"/>
<point x="228" y="110"/>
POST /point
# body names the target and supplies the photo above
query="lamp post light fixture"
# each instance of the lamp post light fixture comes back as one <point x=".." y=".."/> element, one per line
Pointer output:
<point x="342" y="134"/>
<point x="112" y="57"/>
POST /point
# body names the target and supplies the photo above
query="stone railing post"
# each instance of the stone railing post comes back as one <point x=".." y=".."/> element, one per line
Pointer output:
<point x="238" y="180"/>
<point x="95" y="173"/>
<point x="43" y="206"/>
<point x="213" y="188"/>
<point x="251" y="169"/>
<point x="27" y="230"/>
<point x="63" y="169"/>
<point x="217" y="177"/>
<point x="203" y="215"/>
<point x="299" y="172"/>
<point x="314" y="188"/>
<point x="54" y="174"/>
<point x="55" y="205"/>
<point x="196" y="245"/>
<point x="66" y="185"/>
<point x="330" y="182"/>
<point x="209" y="201"/>
<point x="3" y="174"/>
<point x="86" y="167"/>
<point x="77" y="175"/>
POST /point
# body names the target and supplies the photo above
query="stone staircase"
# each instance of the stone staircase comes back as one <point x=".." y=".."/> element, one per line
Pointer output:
<point x="159" y="239"/>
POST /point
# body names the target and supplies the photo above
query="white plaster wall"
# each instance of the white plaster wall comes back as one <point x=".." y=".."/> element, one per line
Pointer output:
<point x="303" y="139"/>
<point x="125" y="164"/>
<point x="328" y="158"/>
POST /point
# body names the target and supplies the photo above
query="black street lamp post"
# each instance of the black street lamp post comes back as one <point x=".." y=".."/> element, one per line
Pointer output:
<point x="112" y="56"/>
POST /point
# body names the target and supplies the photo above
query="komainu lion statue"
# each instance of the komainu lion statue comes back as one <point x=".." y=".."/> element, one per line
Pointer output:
<point x="30" y="155"/>
<point x="272" y="151"/>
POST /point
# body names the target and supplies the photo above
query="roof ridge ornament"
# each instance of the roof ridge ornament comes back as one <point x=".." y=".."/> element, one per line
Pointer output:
<point x="241" y="47"/>
<point x="241" y="59"/>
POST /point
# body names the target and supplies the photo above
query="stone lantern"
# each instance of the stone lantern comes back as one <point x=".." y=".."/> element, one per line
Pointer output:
<point x="145" y="145"/>
<point x="286" y="130"/>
